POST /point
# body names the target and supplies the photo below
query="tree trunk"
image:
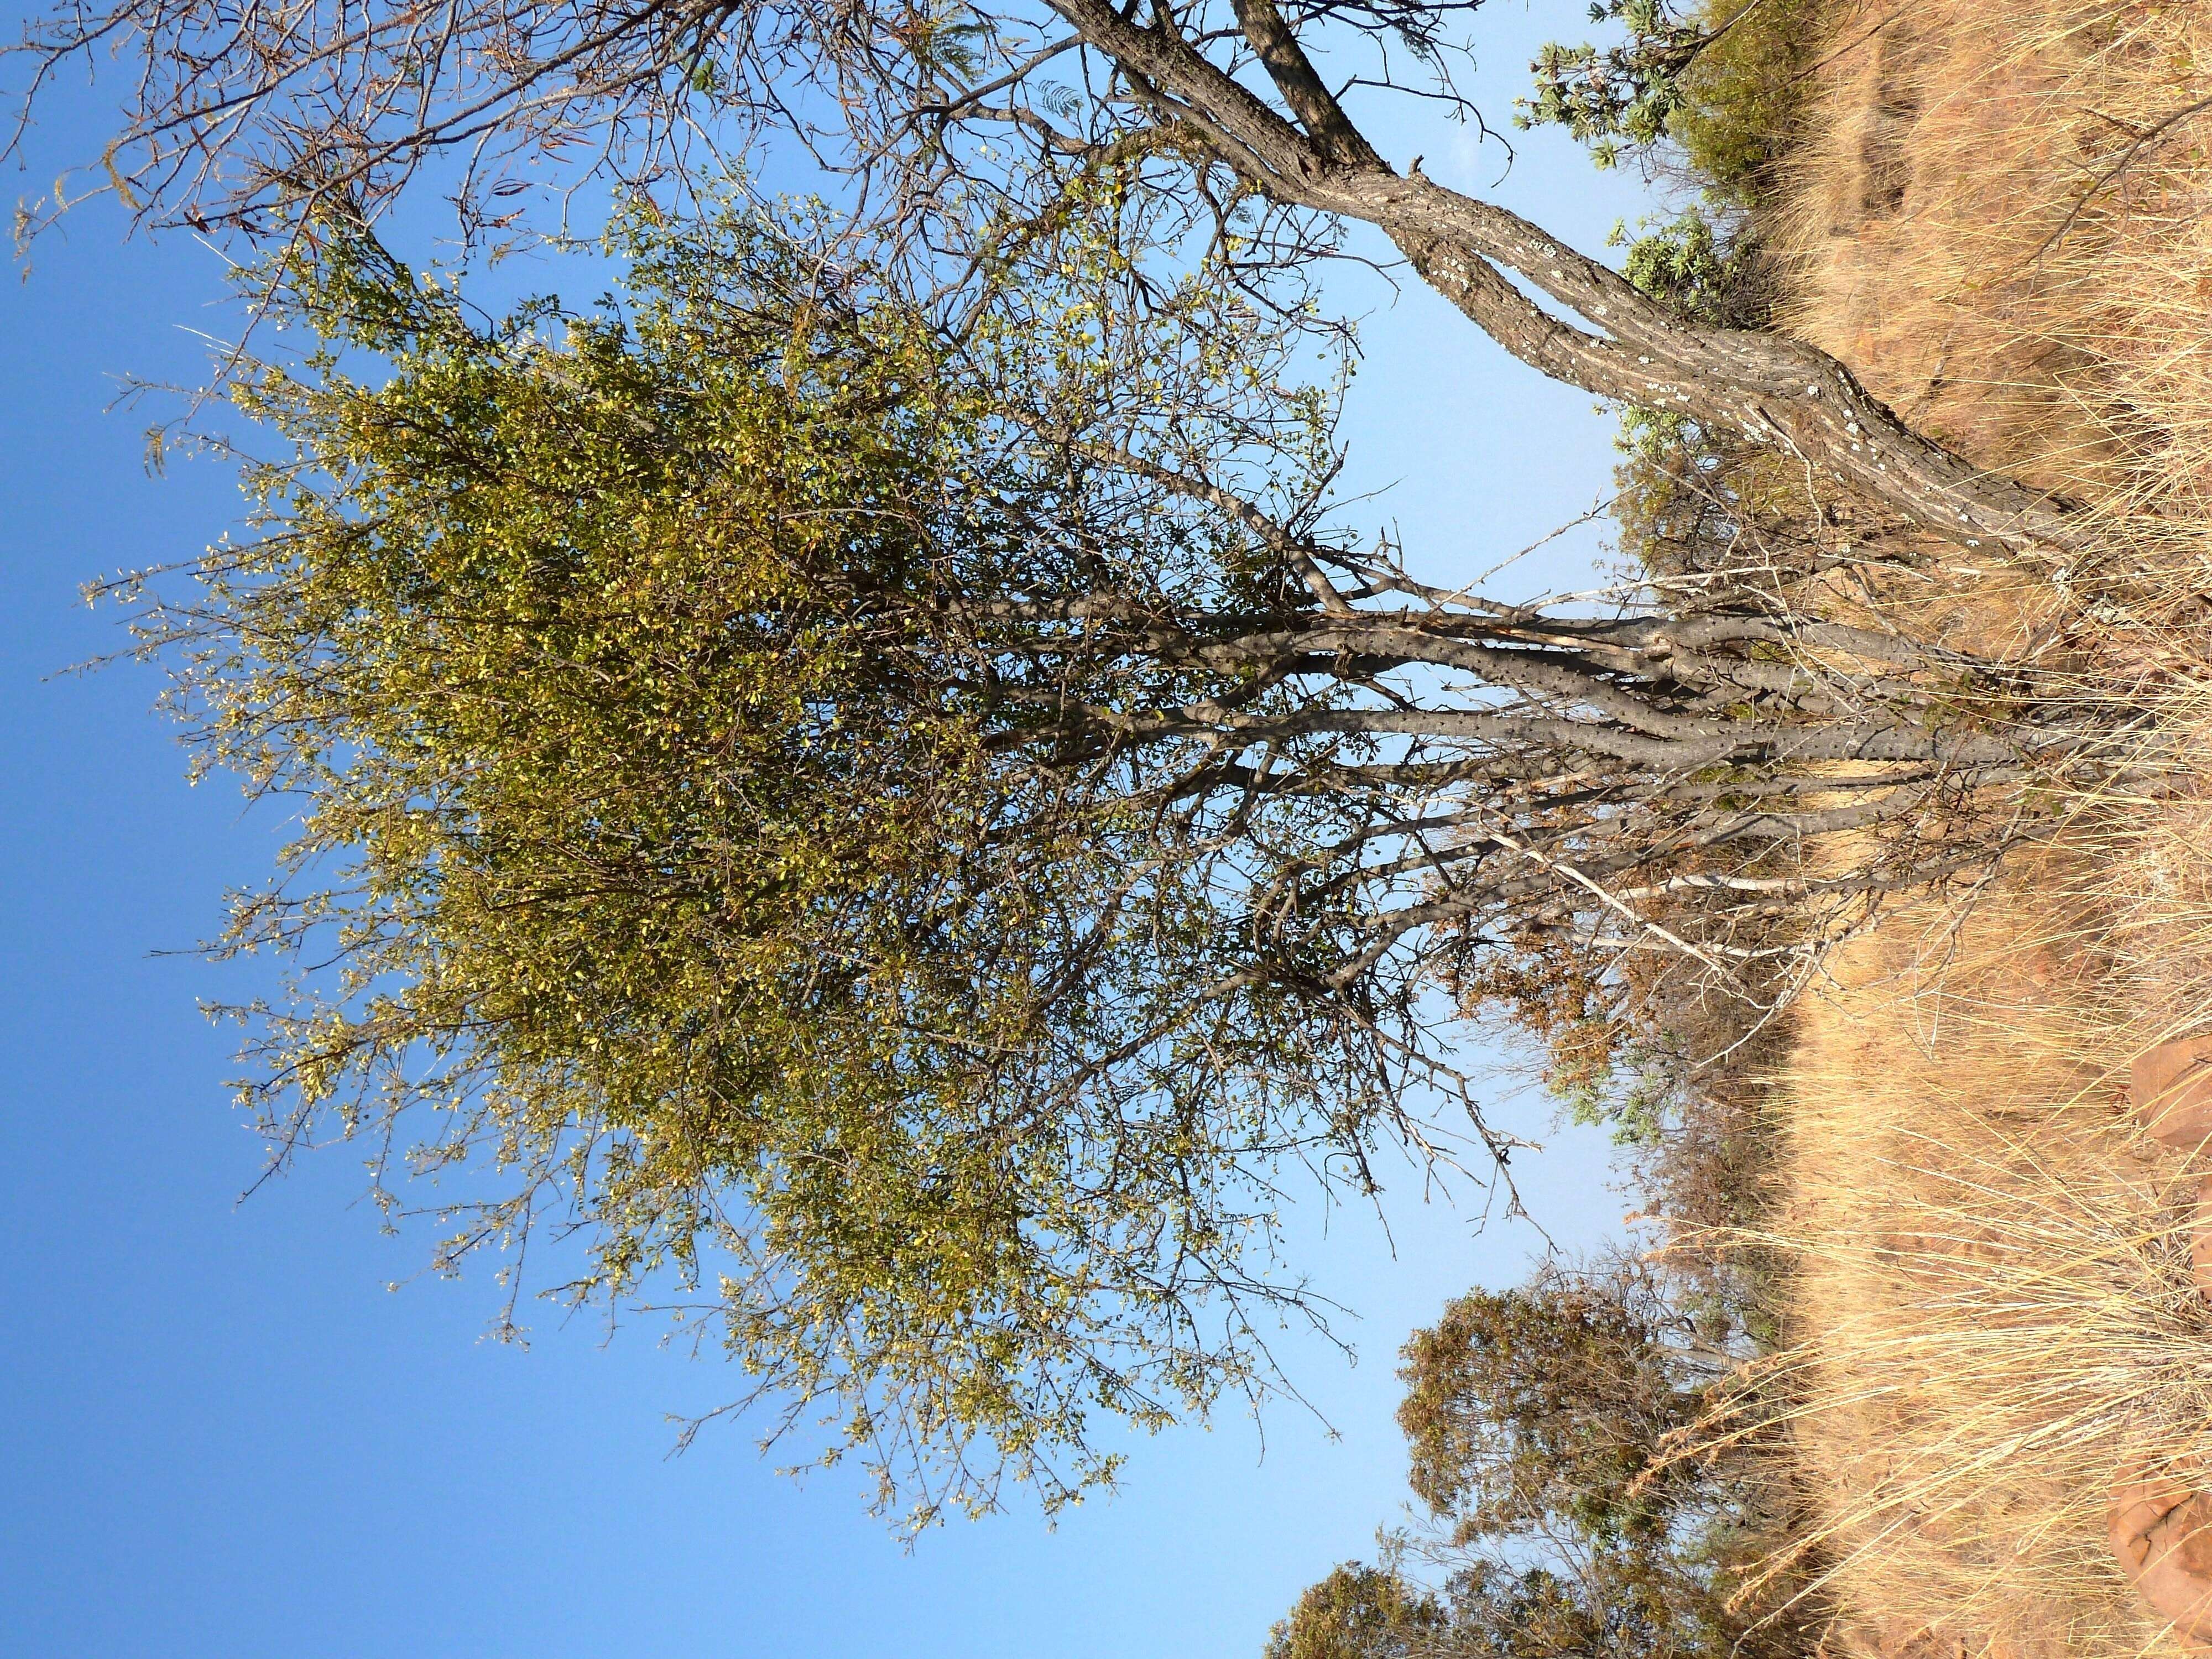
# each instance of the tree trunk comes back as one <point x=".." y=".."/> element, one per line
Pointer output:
<point x="1767" y="388"/>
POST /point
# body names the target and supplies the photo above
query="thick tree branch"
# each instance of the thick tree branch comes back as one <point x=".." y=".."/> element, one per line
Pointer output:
<point x="1768" y="390"/>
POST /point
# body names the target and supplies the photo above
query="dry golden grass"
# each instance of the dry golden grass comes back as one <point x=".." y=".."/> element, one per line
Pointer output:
<point x="1992" y="1313"/>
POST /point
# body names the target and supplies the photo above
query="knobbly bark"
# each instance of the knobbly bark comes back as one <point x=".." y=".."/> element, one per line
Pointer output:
<point x="1764" y="387"/>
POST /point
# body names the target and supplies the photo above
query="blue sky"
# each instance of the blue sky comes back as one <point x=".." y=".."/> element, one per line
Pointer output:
<point x="221" y="1434"/>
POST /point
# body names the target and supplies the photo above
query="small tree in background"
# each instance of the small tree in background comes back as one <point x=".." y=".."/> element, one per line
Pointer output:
<point x="1361" y="1613"/>
<point x="1570" y="1506"/>
<point x="1549" y="1406"/>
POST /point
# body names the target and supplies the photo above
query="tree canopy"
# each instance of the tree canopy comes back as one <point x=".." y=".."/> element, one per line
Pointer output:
<point x="747" y="793"/>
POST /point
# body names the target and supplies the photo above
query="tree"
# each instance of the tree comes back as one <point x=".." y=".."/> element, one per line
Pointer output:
<point x="1359" y="1612"/>
<point x="1492" y="1609"/>
<point x="870" y="773"/>
<point x="1555" y="1403"/>
<point x="1577" y="1498"/>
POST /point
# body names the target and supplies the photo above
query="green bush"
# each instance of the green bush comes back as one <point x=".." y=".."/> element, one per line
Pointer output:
<point x="1739" y="92"/>
<point x="1718" y="83"/>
